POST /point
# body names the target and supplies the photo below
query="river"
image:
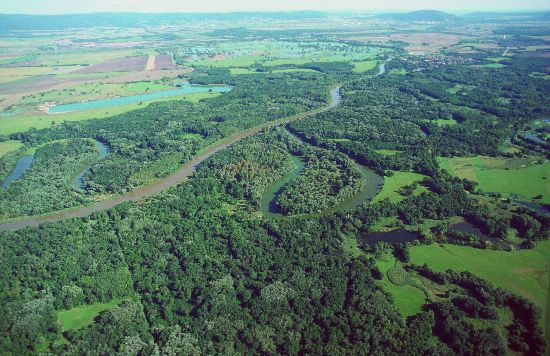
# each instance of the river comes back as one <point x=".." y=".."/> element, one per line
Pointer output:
<point x="180" y="175"/>
<point x="102" y="153"/>
<point x="21" y="166"/>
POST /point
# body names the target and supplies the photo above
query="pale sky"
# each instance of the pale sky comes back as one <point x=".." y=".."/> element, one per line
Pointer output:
<point x="76" y="6"/>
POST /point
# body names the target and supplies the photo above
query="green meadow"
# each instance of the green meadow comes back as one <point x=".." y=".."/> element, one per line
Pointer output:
<point x="506" y="176"/>
<point x="9" y="146"/>
<point x="364" y="66"/>
<point x="22" y="123"/>
<point x="396" y="182"/>
<point x="524" y="272"/>
<point x="407" y="298"/>
<point x="78" y="317"/>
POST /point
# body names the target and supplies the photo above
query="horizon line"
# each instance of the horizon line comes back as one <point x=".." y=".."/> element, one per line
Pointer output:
<point x="457" y="11"/>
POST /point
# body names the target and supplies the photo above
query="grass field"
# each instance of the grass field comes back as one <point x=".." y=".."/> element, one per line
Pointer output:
<point x="388" y="152"/>
<point x="83" y="315"/>
<point x="237" y="71"/>
<point x="294" y="70"/>
<point x="364" y="66"/>
<point x="506" y="176"/>
<point x="93" y="91"/>
<point x="8" y="146"/>
<point x="397" y="72"/>
<point x="524" y="272"/>
<point x="22" y="123"/>
<point x="408" y="299"/>
<point x="396" y="182"/>
<point x="490" y="65"/>
<point x="444" y="122"/>
<point x="238" y="61"/>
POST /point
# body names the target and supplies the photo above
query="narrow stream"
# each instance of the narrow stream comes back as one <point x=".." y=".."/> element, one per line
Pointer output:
<point x="102" y="153"/>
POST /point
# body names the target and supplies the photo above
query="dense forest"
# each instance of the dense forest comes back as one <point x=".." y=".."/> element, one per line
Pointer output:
<point x="200" y="268"/>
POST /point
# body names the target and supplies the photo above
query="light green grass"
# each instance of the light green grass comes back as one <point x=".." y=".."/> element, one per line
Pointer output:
<point x="9" y="146"/>
<point x="407" y="299"/>
<point x="524" y="272"/>
<point x="444" y="122"/>
<point x="237" y="71"/>
<point x="388" y="152"/>
<point x="539" y="75"/>
<point x="295" y="70"/>
<point x="22" y="123"/>
<point x="396" y="182"/>
<point x="490" y="65"/>
<point x="492" y="175"/>
<point x="397" y="72"/>
<point x="240" y="61"/>
<point x="146" y="87"/>
<point x="83" y="315"/>
<point x="364" y="66"/>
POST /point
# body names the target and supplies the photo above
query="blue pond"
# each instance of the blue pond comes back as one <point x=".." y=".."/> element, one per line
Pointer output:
<point x="22" y="165"/>
<point x="103" y="103"/>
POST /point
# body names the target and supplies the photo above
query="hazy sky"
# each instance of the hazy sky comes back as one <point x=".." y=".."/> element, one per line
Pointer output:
<point x="75" y="6"/>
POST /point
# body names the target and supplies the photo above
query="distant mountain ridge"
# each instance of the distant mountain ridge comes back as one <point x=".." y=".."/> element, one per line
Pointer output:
<point x="128" y="19"/>
<point x="422" y="16"/>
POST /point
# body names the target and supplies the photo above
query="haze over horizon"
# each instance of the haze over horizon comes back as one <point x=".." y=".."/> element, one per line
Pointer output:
<point x="69" y="6"/>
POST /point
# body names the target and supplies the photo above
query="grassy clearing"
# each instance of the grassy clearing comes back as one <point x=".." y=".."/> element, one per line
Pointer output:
<point x="507" y="176"/>
<point x="294" y="70"/>
<point x="408" y="299"/>
<point x="93" y="91"/>
<point x="397" y="72"/>
<point x="364" y="66"/>
<point x="240" y="61"/>
<point x="539" y="75"/>
<point x="237" y="71"/>
<point x="388" y="152"/>
<point x="524" y="272"/>
<point x="396" y="182"/>
<point x="22" y="123"/>
<point x="82" y="57"/>
<point x="83" y="315"/>
<point x="8" y="146"/>
<point x="490" y="65"/>
<point x="444" y="122"/>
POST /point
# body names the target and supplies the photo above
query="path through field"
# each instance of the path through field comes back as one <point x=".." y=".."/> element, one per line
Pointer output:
<point x="150" y="65"/>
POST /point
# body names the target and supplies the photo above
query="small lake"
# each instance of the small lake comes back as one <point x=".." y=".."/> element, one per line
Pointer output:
<point x="22" y="165"/>
<point x="392" y="237"/>
<point x="102" y="152"/>
<point x="132" y="99"/>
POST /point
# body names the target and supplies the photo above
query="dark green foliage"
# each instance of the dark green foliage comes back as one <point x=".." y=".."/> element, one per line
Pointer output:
<point x="45" y="187"/>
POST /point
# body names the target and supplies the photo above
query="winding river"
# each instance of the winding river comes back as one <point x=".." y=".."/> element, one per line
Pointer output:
<point x="102" y="153"/>
<point x="21" y="166"/>
<point x="178" y="176"/>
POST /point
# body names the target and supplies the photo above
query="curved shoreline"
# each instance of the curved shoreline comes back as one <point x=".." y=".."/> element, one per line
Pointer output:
<point x="178" y="176"/>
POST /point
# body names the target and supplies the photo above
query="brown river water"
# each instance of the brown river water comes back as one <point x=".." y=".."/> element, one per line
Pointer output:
<point x="178" y="176"/>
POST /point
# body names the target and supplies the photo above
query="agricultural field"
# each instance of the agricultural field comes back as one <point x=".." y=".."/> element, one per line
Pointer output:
<point x="526" y="179"/>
